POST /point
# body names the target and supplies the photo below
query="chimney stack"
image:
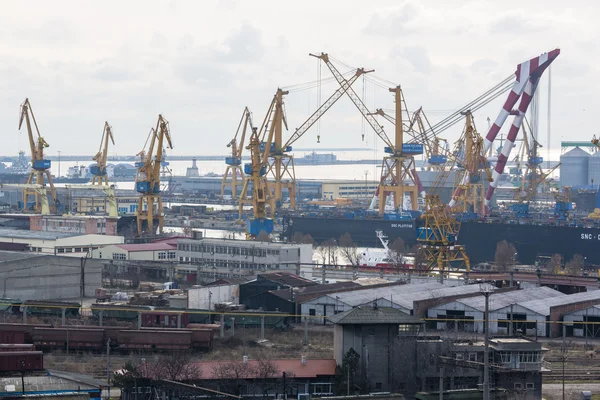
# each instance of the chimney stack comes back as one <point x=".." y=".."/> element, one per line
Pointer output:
<point x="303" y="360"/>
<point x="245" y="360"/>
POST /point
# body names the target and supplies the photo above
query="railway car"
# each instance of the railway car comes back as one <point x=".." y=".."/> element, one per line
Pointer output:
<point x="110" y="332"/>
<point x="146" y="339"/>
<point x="21" y="361"/>
<point x="4" y="347"/>
<point x="202" y="338"/>
<point x="165" y="318"/>
<point x="18" y="333"/>
<point x="50" y="308"/>
<point x="61" y="338"/>
<point x="252" y="319"/>
<point x="10" y="306"/>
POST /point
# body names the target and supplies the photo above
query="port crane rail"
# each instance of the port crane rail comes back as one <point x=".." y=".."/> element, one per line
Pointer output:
<point x="147" y="180"/>
<point x="234" y="162"/>
<point x="40" y="166"/>
<point x="397" y="168"/>
<point x="527" y="77"/>
<point x="99" y="175"/>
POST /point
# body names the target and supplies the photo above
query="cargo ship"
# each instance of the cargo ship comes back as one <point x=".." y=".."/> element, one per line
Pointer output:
<point x="531" y="238"/>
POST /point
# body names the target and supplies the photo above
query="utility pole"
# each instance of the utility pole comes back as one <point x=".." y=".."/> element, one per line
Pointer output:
<point x="563" y="352"/>
<point x="487" y="292"/>
<point x="58" y="164"/>
<point x="108" y="365"/>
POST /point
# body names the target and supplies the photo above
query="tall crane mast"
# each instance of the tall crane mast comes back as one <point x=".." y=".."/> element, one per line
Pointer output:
<point x="280" y="168"/>
<point x="527" y="77"/>
<point x="398" y="172"/>
<point x="234" y="162"/>
<point x="262" y="197"/>
<point x="147" y="180"/>
<point x="99" y="175"/>
<point x="40" y="166"/>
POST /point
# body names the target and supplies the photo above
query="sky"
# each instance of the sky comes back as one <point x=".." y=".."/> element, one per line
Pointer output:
<point x="199" y="63"/>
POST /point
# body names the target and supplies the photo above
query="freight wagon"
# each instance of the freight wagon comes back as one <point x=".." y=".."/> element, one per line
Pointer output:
<point x="119" y="312"/>
<point x="21" y="361"/>
<point x="155" y="339"/>
<point x="18" y="333"/>
<point x="16" y="347"/>
<point x="202" y="338"/>
<point x="62" y="338"/>
<point x="248" y="320"/>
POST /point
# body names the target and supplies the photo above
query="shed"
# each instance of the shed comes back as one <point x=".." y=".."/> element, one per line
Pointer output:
<point x="467" y="314"/>
<point x="266" y="282"/>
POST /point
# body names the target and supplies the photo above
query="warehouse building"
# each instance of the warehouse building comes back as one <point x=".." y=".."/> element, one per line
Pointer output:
<point x="29" y="276"/>
<point x="160" y="251"/>
<point x="583" y="323"/>
<point x="468" y="314"/>
<point x="402" y="297"/>
<point x="68" y="244"/>
<point x="537" y="315"/>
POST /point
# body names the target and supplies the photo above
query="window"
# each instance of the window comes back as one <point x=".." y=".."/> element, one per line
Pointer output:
<point x="460" y="356"/>
<point x="518" y="386"/>
<point x="378" y="386"/>
<point x="312" y="312"/>
<point x="530" y="386"/>
<point x="473" y="357"/>
<point x="60" y="250"/>
<point x="505" y="356"/>
<point x="171" y="255"/>
<point x="78" y="250"/>
<point x="119" y="256"/>
<point x="528" y="357"/>
<point x="162" y="255"/>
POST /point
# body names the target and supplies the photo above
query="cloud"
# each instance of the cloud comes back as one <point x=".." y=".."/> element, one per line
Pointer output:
<point x="514" y="24"/>
<point x="392" y="23"/>
<point x="416" y="56"/>
<point x="243" y="45"/>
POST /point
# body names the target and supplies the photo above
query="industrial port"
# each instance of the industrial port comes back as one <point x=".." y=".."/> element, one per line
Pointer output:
<point x="417" y="247"/>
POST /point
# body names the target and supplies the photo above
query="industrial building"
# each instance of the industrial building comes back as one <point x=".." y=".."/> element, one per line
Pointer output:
<point x="243" y="254"/>
<point x="68" y="244"/>
<point x="404" y="297"/>
<point x="81" y="224"/>
<point x="576" y="322"/>
<point x="537" y="315"/>
<point x="467" y="315"/>
<point x="206" y="297"/>
<point x="29" y="276"/>
<point x="251" y="293"/>
<point x="161" y="251"/>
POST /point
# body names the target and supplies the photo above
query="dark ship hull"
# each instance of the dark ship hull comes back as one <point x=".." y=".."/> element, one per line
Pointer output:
<point x="531" y="240"/>
<point x="13" y="178"/>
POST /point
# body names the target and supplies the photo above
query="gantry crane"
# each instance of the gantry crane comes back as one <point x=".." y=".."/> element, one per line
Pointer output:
<point x="99" y="175"/>
<point x="281" y="164"/>
<point x="262" y="199"/>
<point x="438" y="236"/>
<point x="234" y="163"/>
<point x="147" y="180"/>
<point x="39" y="190"/>
<point x="109" y="192"/>
<point x="40" y="166"/>
<point x="398" y="172"/>
<point x="471" y="172"/>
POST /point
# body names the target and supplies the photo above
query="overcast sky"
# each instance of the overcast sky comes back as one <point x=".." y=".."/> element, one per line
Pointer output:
<point x="200" y="62"/>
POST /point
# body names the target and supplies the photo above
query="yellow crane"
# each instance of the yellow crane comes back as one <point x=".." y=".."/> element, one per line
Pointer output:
<point x="472" y="169"/>
<point x="109" y="192"/>
<point x="398" y="172"/>
<point x="39" y="190"/>
<point x="280" y="168"/>
<point x="147" y="180"/>
<point x="596" y="213"/>
<point x="234" y="162"/>
<point x="99" y="175"/>
<point x="40" y="166"/>
<point x="437" y="238"/>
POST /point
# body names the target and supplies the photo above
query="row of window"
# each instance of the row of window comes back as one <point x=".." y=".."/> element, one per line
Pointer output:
<point x="239" y="251"/>
<point x="62" y="250"/>
<point x="235" y="264"/>
<point x="167" y="255"/>
<point x="522" y="357"/>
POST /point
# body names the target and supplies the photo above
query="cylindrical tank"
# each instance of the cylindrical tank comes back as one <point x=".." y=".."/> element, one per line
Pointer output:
<point x="594" y="169"/>
<point x="574" y="168"/>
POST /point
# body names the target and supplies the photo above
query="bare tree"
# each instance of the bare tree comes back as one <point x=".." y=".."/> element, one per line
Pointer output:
<point x="575" y="265"/>
<point x="555" y="264"/>
<point x="348" y="249"/>
<point x="266" y="371"/>
<point x="397" y="250"/>
<point x="176" y="366"/>
<point x="327" y="251"/>
<point x="420" y="258"/>
<point x="505" y="255"/>
<point x="263" y="236"/>
<point x="299" y="237"/>
<point x="186" y="230"/>
<point x="233" y="375"/>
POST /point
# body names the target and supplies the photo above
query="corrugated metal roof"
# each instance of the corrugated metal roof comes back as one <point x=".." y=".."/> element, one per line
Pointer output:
<point x="311" y="292"/>
<point x="543" y="306"/>
<point x="287" y="278"/>
<point x="374" y="315"/>
<point x="404" y="295"/>
<point x="44" y="235"/>
<point x="501" y="300"/>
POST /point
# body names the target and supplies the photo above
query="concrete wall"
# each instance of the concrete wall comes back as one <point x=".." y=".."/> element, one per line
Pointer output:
<point x="48" y="277"/>
<point x="199" y="297"/>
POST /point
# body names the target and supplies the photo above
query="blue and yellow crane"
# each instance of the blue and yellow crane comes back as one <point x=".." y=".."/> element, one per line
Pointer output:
<point x="234" y="171"/>
<point x="40" y="166"/>
<point x="147" y="179"/>
<point x="99" y="175"/>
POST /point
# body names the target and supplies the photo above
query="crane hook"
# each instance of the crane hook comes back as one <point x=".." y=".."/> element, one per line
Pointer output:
<point x="318" y="138"/>
<point x="363" y="137"/>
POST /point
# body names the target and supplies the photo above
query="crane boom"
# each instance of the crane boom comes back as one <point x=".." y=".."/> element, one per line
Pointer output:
<point x="99" y="170"/>
<point x="324" y="107"/>
<point x="357" y="101"/>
